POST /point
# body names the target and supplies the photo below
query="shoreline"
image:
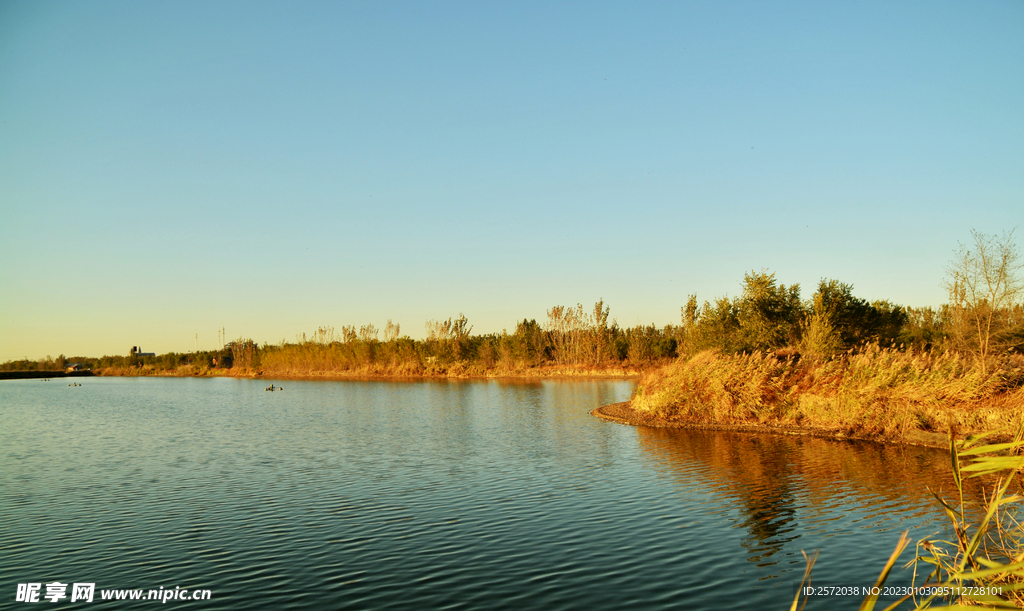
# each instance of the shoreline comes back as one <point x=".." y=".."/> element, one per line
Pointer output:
<point x="622" y="413"/>
<point x="36" y="374"/>
<point x="553" y="373"/>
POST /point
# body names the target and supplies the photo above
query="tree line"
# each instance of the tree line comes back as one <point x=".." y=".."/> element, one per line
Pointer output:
<point x="984" y="318"/>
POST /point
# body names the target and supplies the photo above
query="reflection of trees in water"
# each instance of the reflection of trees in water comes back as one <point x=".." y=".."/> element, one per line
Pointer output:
<point x="786" y="485"/>
<point x="769" y="506"/>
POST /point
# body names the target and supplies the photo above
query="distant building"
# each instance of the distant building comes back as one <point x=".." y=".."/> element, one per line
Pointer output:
<point x="73" y="367"/>
<point x="137" y="352"/>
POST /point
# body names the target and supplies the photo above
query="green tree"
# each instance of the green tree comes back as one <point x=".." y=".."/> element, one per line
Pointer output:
<point x="768" y="313"/>
<point x="925" y="328"/>
<point x="600" y="333"/>
<point x="819" y="338"/>
<point x="855" y="320"/>
<point x="716" y="326"/>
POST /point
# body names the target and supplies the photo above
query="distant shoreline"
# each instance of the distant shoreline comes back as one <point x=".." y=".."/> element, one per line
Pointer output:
<point x="34" y="375"/>
<point x="552" y="372"/>
<point x="622" y="413"/>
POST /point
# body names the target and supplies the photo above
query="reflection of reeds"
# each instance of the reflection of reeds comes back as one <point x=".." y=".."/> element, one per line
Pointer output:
<point x="751" y="461"/>
<point x="983" y="566"/>
<point x="880" y="391"/>
<point x="777" y="481"/>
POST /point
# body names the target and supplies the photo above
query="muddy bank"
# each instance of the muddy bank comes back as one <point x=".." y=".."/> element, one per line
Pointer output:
<point x="622" y="413"/>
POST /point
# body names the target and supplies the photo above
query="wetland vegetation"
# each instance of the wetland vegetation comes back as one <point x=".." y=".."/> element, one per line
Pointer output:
<point x="839" y="362"/>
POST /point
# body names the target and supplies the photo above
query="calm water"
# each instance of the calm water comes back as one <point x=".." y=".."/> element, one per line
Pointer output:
<point x="431" y="495"/>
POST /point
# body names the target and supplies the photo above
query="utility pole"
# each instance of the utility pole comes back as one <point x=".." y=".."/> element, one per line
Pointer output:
<point x="197" y="341"/>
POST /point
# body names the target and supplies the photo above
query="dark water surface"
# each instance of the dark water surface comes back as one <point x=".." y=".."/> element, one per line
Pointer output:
<point x="431" y="495"/>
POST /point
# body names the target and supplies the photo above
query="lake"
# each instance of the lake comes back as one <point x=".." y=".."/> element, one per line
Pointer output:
<point x="432" y="495"/>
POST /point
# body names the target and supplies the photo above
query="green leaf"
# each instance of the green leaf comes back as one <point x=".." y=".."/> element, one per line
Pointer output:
<point x="996" y="447"/>
<point x="974" y="439"/>
<point x="1014" y="569"/>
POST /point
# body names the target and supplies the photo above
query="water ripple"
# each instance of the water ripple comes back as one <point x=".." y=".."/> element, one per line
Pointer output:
<point x="447" y="495"/>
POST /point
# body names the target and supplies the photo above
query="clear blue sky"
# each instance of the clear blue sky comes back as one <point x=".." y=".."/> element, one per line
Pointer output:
<point x="168" y="169"/>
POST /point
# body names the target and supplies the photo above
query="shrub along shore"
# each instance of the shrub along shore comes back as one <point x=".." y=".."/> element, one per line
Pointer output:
<point x="840" y="365"/>
<point x="874" y="393"/>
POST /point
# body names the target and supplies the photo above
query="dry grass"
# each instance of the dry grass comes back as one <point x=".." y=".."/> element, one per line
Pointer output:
<point x="876" y="391"/>
<point x="182" y="371"/>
